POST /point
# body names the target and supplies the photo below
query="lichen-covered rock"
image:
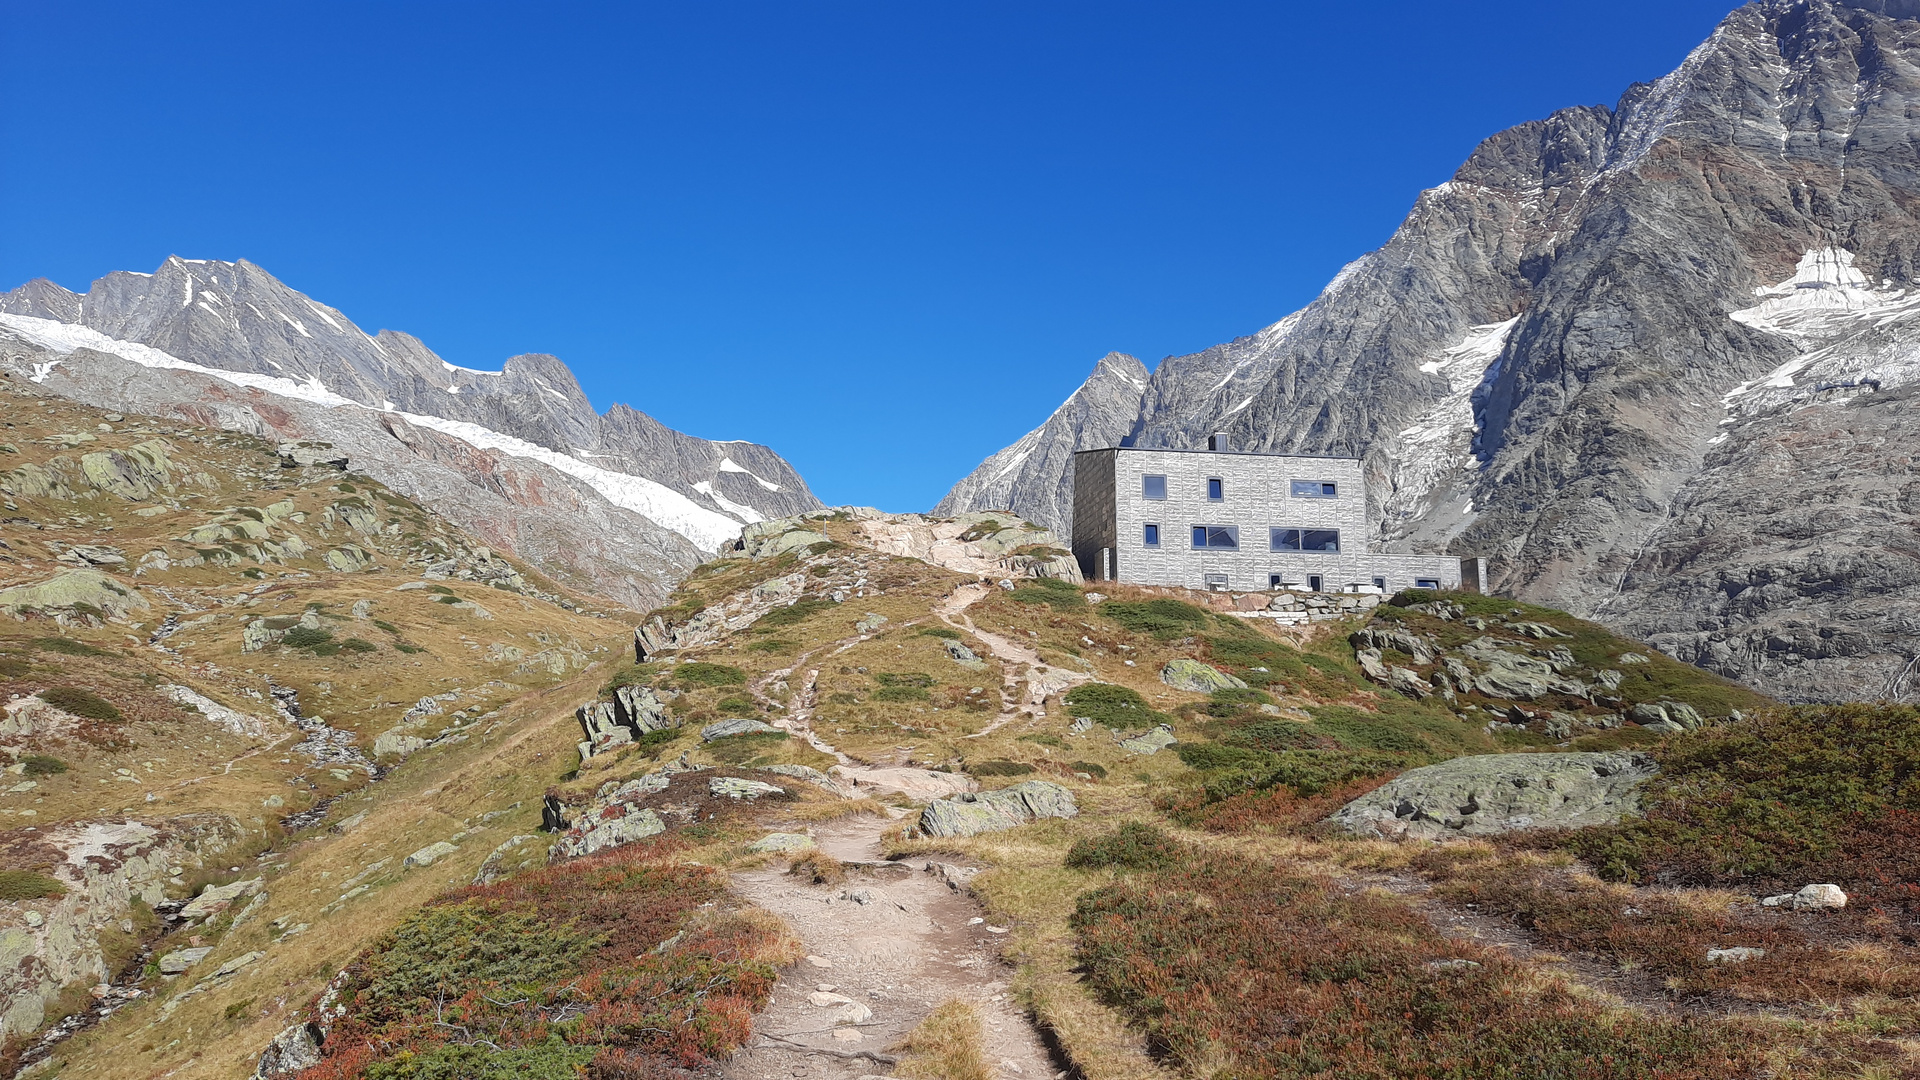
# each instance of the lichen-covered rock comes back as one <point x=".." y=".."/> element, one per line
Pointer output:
<point x="802" y="772"/>
<point x="179" y="960"/>
<point x="74" y="591"/>
<point x="135" y="473"/>
<point x="1152" y="742"/>
<point x="430" y="854"/>
<point x="963" y="656"/>
<point x="1497" y="793"/>
<point x="215" y="899"/>
<point x="1184" y="674"/>
<point x="291" y="1052"/>
<point x="348" y="558"/>
<point x="738" y="725"/>
<point x="732" y="787"/>
<point x="308" y="452"/>
<point x="619" y="825"/>
<point x="974" y="813"/>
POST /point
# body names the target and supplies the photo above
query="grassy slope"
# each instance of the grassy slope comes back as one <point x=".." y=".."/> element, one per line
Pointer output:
<point x="162" y="760"/>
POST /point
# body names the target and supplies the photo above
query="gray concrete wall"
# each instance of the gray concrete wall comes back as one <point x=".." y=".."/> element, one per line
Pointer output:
<point x="1093" y="510"/>
<point x="1257" y="496"/>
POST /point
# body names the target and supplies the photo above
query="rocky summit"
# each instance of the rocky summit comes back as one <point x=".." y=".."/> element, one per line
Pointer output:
<point x="615" y="503"/>
<point x="1653" y="358"/>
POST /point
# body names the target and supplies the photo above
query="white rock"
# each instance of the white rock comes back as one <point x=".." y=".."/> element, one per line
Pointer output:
<point x="430" y="854"/>
<point x="1739" y="954"/>
<point x="827" y="998"/>
<point x="851" y="1013"/>
<point x="1819" y="898"/>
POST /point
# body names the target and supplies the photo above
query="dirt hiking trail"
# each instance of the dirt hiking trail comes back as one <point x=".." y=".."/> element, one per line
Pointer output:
<point x="892" y="938"/>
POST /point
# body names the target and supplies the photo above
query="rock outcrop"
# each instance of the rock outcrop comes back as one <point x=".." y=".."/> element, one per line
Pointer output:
<point x="1498" y="793"/>
<point x="990" y="811"/>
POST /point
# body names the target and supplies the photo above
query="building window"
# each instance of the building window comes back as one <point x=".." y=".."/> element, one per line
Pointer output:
<point x="1426" y="583"/>
<point x="1216" y="491"/>
<point x="1327" y="540"/>
<point x="1314" y="584"/>
<point x="1150" y="535"/>
<point x="1216" y="583"/>
<point x="1274" y="582"/>
<point x="1315" y="489"/>
<point x="1216" y="536"/>
<point x="1153" y="487"/>
<point x="1380" y="583"/>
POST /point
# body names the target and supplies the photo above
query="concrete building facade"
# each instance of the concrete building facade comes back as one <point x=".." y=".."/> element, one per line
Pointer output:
<point x="1214" y="519"/>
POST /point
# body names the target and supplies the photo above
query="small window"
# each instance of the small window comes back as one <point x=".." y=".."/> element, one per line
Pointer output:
<point x="1315" y="584"/>
<point x="1216" y="583"/>
<point x="1153" y="487"/>
<point x="1274" y="582"/>
<point x="1150" y="535"/>
<point x="1216" y="491"/>
<point x="1216" y="536"/>
<point x="1315" y="489"/>
<point x="1426" y="583"/>
<point x="1380" y="583"/>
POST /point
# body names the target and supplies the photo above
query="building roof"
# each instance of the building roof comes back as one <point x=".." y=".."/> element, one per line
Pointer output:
<point x="1219" y="453"/>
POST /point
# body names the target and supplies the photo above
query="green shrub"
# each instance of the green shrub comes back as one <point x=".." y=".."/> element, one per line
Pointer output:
<point x="1165" y="619"/>
<point x="700" y="674"/>
<point x="80" y="703"/>
<point x="305" y="637"/>
<point x="551" y="1060"/>
<point x="942" y="632"/>
<point x="736" y="705"/>
<point x="42" y="765"/>
<point x="1133" y="846"/>
<point x="359" y="645"/>
<point x="13" y="667"/>
<point x="631" y="675"/>
<point x="1062" y="595"/>
<point x="408" y="647"/>
<point x="1098" y="772"/>
<point x="442" y="589"/>
<point x="1115" y="706"/>
<point x="387" y="626"/>
<point x="68" y="646"/>
<point x="27" y="885"/>
<point x="436" y="950"/>
<point x="1825" y="793"/>
<point x="1000" y="768"/>
<point x="449" y="598"/>
<point x="796" y="612"/>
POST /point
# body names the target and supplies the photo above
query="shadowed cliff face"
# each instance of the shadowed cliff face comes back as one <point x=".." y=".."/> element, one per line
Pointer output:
<point x="621" y="505"/>
<point x="1645" y="357"/>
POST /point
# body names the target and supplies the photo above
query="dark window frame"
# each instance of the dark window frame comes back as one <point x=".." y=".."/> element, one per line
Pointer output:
<point x="1277" y="540"/>
<point x="1305" y="489"/>
<point x="1147" y="485"/>
<point x="1208" y="537"/>
<point x="1427" y="583"/>
<point x="1150" y="534"/>
<point x="1216" y="489"/>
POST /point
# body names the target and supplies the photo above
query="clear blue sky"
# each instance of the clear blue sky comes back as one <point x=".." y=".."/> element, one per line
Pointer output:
<point x="884" y="238"/>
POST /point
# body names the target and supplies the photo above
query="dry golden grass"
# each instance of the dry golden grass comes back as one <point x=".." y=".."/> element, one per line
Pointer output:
<point x="947" y="1045"/>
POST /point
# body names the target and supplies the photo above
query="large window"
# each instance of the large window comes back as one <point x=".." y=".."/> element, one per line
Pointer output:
<point x="1150" y="535"/>
<point x="1305" y="540"/>
<point x="1216" y="536"/>
<point x="1153" y="487"/>
<point x="1216" y="491"/>
<point x="1315" y="489"/>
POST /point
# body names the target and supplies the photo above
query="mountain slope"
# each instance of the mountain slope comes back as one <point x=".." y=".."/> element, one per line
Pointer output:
<point x="1576" y="354"/>
<point x="653" y="500"/>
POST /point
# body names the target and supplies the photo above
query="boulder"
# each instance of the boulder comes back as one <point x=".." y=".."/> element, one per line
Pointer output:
<point x="135" y="473"/>
<point x="802" y="772"/>
<point x="1182" y="673"/>
<point x="640" y="709"/>
<point x="307" y="452"/>
<point x="1498" y="793"/>
<point x="1739" y="954"/>
<point x="215" y="899"/>
<point x="179" y="960"/>
<point x="869" y="624"/>
<point x="1810" y="898"/>
<point x="396" y="743"/>
<point x="1647" y="713"/>
<point x="430" y="854"/>
<point x="972" y="813"/>
<point x="1152" y="742"/>
<point x="963" y="656"/>
<point x="1408" y="682"/>
<point x="731" y="787"/>
<point x="291" y="1052"/>
<point x="738" y="725"/>
<point x="621" y="825"/>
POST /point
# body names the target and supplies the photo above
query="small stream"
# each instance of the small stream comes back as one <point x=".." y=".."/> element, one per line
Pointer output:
<point x="328" y="747"/>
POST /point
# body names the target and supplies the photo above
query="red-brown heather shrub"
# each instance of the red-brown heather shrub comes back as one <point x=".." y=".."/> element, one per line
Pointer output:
<point x="622" y="964"/>
<point x="1239" y="969"/>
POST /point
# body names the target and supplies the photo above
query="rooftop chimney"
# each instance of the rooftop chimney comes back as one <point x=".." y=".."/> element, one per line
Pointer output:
<point x="1217" y="442"/>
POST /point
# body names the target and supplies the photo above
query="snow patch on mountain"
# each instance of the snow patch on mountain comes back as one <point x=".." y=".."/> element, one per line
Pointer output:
<point x="1440" y="440"/>
<point x="650" y="499"/>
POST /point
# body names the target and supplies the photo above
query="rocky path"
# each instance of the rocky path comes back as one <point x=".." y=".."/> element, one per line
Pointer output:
<point x="1027" y="681"/>
<point x="894" y="940"/>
